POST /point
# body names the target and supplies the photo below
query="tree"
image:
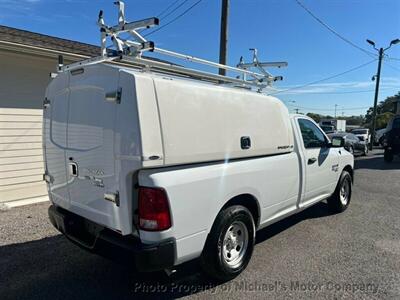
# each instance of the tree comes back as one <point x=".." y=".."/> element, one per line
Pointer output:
<point x="383" y="119"/>
<point x="386" y="108"/>
<point x="316" y="117"/>
<point x="355" y="120"/>
<point x="352" y="120"/>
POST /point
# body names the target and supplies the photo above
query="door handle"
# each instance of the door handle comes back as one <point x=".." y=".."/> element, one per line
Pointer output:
<point x="73" y="169"/>
<point x="312" y="160"/>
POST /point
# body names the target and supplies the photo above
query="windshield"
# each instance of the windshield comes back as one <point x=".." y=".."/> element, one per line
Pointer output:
<point x="360" y="131"/>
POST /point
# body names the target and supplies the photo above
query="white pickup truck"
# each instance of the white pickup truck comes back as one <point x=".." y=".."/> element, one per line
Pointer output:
<point x="170" y="169"/>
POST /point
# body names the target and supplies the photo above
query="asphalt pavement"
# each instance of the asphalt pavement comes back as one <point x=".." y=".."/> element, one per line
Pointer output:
<point x="355" y="254"/>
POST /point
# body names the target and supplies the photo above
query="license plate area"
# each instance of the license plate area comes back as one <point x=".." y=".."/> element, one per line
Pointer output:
<point x="77" y="229"/>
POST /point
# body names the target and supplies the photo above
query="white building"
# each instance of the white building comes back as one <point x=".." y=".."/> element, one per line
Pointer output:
<point x="26" y="60"/>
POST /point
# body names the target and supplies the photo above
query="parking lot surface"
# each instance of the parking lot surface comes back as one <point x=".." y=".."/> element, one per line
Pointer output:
<point x="314" y="254"/>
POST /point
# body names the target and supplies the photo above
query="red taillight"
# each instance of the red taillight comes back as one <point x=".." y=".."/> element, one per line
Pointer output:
<point x="153" y="209"/>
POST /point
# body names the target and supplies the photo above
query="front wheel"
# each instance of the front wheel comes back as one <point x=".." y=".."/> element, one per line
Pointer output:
<point x="340" y="199"/>
<point x="230" y="244"/>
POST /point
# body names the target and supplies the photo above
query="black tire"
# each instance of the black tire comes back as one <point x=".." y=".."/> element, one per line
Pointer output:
<point x="388" y="156"/>
<point x="336" y="202"/>
<point x="213" y="260"/>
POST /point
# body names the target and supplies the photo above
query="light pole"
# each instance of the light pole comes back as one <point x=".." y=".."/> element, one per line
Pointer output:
<point x="381" y="51"/>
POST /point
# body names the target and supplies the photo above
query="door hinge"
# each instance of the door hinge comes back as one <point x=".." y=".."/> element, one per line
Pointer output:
<point x="115" y="96"/>
<point x="46" y="103"/>
<point x="113" y="197"/>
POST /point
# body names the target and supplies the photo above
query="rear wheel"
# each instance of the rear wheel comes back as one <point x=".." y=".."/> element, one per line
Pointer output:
<point x="388" y="156"/>
<point x="340" y="199"/>
<point x="230" y="244"/>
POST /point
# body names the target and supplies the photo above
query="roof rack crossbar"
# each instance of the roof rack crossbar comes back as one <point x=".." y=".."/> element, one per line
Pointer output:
<point x="192" y="73"/>
<point x="199" y="60"/>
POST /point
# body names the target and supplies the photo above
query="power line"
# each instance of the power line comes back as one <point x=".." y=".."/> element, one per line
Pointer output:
<point x="175" y="19"/>
<point x="175" y="9"/>
<point x="332" y="30"/>
<point x="167" y="8"/>
<point x="349" y="92"/>
<point x="343" y="92"/>
<point x="329" y="109"/>
<point x="392" y="67"/>
<point x="324" y="79"/>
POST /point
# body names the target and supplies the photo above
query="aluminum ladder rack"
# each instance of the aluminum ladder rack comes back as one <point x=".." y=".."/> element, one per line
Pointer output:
<point x="129" y="53"/>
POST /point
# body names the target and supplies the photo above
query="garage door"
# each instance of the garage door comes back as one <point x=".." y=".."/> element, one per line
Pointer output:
<point x="21" y="156"/>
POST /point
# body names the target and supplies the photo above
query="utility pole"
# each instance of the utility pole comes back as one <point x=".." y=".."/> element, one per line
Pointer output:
<point x="335" y="109"/>
<point x="381" y="51"/>
<point x="297" y="110"/>
<point x="378" y="77"/>
<point x="223" y="43"/>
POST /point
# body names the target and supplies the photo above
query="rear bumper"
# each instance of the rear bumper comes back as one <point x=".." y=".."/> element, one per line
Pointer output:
<point x="97" y="239"/>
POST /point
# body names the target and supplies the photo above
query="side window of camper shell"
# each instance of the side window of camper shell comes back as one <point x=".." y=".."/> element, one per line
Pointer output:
<point x="312" y="135"/>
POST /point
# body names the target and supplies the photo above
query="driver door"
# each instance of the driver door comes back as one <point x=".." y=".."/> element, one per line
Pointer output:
<point x="320" y="161"/>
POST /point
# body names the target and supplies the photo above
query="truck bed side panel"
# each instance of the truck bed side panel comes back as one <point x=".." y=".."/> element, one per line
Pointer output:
<point x="198" y="192"/>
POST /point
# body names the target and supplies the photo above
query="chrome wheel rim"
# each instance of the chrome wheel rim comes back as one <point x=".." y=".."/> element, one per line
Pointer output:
<point x="235" y="244"/>
<point x="345" y="192"/>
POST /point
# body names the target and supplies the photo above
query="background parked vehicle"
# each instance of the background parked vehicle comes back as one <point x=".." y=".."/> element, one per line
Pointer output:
<point x="352" y="143"/>
<point x="328" y="128"/>
<point x="391" y="141"/>
<point x="363" y="134"/>
<point x="338" y="125"/>
<point x="379" y="135"/>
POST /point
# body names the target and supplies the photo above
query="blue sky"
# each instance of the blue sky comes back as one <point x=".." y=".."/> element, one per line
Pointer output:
<point x="280" y="29"/>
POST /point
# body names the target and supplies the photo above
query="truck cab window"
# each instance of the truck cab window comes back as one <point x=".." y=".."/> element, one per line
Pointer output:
<point x="312" y="135"/>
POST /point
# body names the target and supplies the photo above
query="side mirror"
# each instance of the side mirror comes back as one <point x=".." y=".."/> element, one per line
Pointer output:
<point x="337" y="142"/>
